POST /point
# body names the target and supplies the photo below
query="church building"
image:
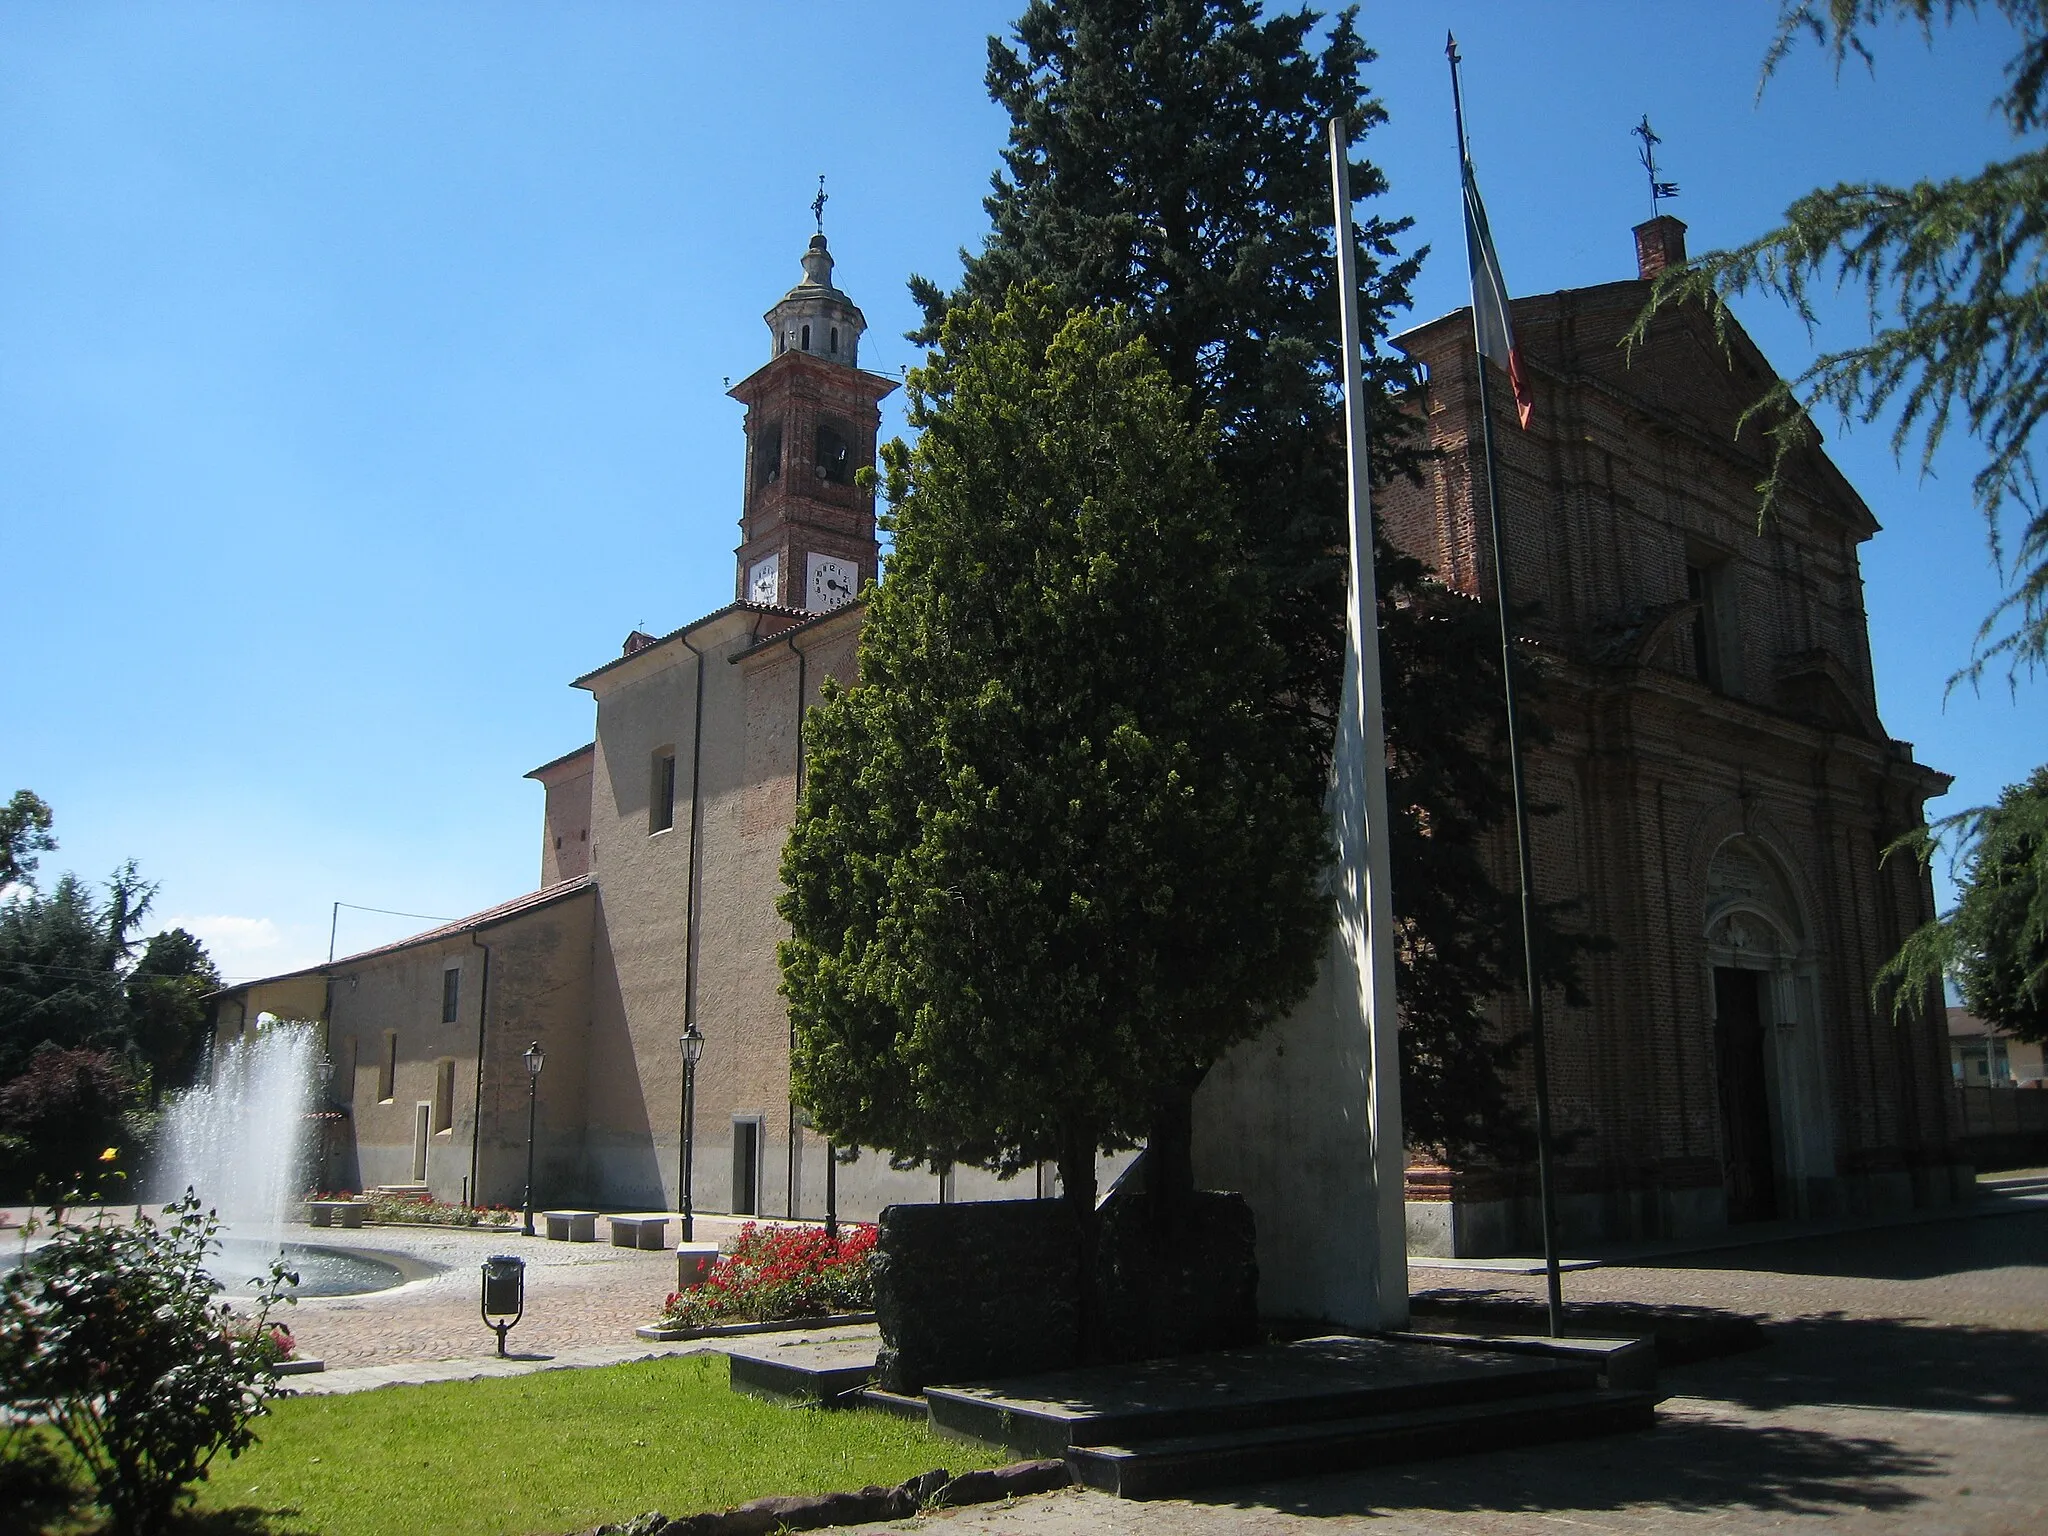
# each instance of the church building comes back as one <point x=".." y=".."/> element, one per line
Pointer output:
<point x="1720" y="787"/>
<point x="1721" y="781"/>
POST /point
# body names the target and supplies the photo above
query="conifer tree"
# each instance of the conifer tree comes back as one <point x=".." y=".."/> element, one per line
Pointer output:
<point x="1169" y="156"/>
<point x="1048" y="864"/>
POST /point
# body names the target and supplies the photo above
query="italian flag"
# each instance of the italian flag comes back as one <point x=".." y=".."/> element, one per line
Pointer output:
<point x="1491" y="327"/>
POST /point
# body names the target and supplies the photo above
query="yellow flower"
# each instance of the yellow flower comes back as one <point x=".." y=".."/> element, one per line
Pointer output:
<point x="108" y="1156"/>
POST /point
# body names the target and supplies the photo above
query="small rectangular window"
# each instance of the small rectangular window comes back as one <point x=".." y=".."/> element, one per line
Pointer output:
<point x="451" y="993"/>
<point x="444" y="1094"/>
<point x="1704" y="584"/>
<point x="661" y="809"/>
<point x="387" y="1070"/>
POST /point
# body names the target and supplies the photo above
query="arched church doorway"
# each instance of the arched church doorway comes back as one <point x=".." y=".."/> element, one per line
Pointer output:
<point x="1761" y="985"/>
<point x="1748" y="1159"/>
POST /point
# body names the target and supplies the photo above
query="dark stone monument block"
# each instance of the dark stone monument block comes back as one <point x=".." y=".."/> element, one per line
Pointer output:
<point x="991" y="1289"/>
<point x="1184" y="1287"/>
<point x="976" y="1291"/>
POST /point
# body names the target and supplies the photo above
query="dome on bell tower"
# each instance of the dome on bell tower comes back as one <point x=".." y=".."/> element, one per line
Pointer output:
<point x="814" y="316"/>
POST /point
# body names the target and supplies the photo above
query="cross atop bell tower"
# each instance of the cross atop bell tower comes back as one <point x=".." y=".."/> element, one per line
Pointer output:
<point x="807" y="531"/>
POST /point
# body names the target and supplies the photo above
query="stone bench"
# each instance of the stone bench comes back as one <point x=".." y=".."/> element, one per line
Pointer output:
<point x="693" y="1264"/>
<point x="570" y="1226"/>
<point x="337" y="1213"/>
<point x="648" y="1229"/>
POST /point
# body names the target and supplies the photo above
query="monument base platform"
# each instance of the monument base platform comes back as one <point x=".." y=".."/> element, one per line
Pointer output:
<point x="1162" y="1427"/>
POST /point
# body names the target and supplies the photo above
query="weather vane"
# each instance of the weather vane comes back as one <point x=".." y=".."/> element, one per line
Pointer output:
<point x="818" y="205"/>
<point x="1648" y="155"/>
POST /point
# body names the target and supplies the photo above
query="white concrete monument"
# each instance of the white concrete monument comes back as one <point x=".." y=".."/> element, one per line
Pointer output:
<point x="1305" y="1121"/>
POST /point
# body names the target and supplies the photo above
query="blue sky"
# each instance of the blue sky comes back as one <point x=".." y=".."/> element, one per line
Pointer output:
<point x="361" y="370"/>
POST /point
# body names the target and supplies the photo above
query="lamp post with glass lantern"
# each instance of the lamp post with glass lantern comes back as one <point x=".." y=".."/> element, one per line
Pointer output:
<point x="535" y="1058"/>
<point x="692" y="1042"/>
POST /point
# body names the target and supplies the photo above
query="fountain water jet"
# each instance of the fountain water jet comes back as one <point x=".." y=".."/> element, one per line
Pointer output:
<point x="241" y="1140"/>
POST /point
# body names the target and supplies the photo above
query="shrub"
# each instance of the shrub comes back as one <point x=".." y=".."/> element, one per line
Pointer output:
<point x="59" y="1118"/>
<point x="115" y="1336"/>
<point x="775" y="1273"/>
<point x="438" y="1213"/>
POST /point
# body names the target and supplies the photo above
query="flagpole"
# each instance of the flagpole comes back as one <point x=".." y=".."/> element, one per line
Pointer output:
<point x="1538" y="1065"/>
<point x="1363" y="713"/>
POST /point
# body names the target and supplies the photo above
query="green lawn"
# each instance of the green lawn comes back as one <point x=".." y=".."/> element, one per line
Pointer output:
<point x="555" y="1452"/>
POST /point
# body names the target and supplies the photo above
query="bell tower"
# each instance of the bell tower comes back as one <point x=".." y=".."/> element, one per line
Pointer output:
<point x="807" y="529"/>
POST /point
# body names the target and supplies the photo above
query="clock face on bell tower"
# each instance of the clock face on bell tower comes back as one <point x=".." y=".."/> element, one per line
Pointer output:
<point x="831" y="582"/>
<point x="807" y="532"/>
<point x="764" y="580"/>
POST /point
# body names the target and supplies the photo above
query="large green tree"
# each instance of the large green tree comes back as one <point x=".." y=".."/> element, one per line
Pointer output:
<point x="168" y="1017"/>
<point x="70" y="977"/>
<point x="1994" y="943"/>
<point x="24" y="834"/>
<point x="64" y="957"/>
<point x="1169" y="156"/>
<point x="1049" y="862"/>
<point x="1954" y="275"/>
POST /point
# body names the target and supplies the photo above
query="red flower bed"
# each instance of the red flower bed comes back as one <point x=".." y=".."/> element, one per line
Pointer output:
<point x="777" y="1273"/>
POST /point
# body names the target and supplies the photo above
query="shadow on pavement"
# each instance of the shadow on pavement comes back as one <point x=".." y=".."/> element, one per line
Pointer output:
<point x="1686" y="1465"/>
<point x="1881" y="1363"/>
<point x="1923" y="1252"/>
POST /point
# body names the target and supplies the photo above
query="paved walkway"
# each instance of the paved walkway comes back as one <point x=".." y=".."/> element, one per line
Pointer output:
<point x="583" y="1301"/>
<point x="579" y="1297"/>
<point x="1905" y="1391"/>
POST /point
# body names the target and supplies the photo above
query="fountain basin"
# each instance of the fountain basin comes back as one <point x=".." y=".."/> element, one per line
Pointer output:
<point x="322" y="1271"/>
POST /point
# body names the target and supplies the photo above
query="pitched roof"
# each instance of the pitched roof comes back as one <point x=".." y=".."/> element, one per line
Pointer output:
<point x="567" y="757"/>
<point x="744" y="605"/>
<point x="489" y="917"/>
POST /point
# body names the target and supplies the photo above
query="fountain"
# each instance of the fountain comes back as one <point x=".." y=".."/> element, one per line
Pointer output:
<point x="240" y="1141"/>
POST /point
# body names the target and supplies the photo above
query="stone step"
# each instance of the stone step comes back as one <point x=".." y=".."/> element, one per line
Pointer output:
<point x="1230" y="1391"/>
<point x="1628" y="1364"/>
<point x="829" y="1369"/>
<point x="1161" y="1468"/>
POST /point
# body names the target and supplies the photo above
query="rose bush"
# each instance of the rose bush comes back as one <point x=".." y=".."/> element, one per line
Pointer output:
<point x="115" y="1336"/>
<point x="778" y="1273"/>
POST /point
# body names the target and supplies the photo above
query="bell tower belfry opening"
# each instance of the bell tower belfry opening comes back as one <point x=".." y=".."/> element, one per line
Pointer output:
<point x="807" y="527"/>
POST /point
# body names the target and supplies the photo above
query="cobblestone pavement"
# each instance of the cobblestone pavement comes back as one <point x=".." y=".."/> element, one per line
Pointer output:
<point x="1905" y="1390"/>
<point x="578" y="1295"/>
<point x="583" y="1300"/>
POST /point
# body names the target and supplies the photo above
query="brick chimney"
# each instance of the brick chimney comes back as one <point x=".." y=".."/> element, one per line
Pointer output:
<point x="1659" y="244"/>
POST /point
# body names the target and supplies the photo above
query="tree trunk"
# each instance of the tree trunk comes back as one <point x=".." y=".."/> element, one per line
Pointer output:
<point x="1077" y="1186"/>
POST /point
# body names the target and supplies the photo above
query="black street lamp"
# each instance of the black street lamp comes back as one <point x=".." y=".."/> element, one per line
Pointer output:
<point x="535" y="1058"/>
<point x="692" y="1042"/>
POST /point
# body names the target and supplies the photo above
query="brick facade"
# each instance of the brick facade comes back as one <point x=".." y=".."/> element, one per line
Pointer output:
<point x="1719" y="786"/>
